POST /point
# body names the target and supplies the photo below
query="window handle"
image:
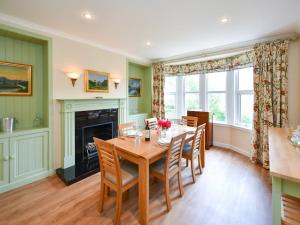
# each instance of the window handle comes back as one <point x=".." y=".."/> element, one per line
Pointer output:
<point x="12" y="156"/>
<point x="5" y="158"/>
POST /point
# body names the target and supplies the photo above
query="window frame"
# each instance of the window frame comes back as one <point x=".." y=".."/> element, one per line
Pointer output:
<point x="191" y="92"/>
<point x="176" y="96"/>
<point x="232" y="99"/>
<point x="238" y="96"/>
<point x="207" y="92"/>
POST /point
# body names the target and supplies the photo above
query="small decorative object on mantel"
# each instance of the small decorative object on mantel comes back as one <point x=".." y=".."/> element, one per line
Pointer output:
<point x="15" y="79"/>
<point x="295" y="137"/>
<point x="134" y="87"/>
<point x="96" y="81"/>
<point x="164" y="125"/>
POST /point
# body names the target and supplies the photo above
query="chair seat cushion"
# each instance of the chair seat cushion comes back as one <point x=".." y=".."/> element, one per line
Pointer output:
<point x="158" y="166"/>
<point x="187" y="149"/>
<point x="129" y="172"/>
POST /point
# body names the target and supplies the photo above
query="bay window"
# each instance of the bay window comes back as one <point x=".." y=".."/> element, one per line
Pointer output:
<point x="228" y="95"/>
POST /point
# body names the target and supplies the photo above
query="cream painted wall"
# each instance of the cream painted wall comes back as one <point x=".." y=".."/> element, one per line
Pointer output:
<point x="235" y="138"/>
<point x="73" y="56"/>
<point x="239" y="139"/>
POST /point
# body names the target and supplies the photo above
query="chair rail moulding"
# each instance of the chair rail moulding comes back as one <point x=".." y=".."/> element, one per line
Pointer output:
<point x="68" y="109"/>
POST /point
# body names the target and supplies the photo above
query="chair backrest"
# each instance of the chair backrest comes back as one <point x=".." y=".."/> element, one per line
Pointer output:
<point x="199" y="136"/>
<point x="152" y="123"/>
<point x="108" y="160"/>
<point x="123" y="127"/>
<point x="174" y="153"/>
<point x="190" y="121"/>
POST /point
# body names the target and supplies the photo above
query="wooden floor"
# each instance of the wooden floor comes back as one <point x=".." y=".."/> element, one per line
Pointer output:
<point x="231" y="191"/>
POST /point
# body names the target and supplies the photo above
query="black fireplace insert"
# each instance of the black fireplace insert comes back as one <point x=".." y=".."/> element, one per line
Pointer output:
<point x="88" y="124"/>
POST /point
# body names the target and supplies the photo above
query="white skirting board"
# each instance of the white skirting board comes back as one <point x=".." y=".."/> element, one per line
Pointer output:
<point x="244" y="152"/>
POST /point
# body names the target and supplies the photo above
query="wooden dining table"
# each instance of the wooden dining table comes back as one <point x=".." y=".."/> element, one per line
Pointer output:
<point x="143" y="153"/>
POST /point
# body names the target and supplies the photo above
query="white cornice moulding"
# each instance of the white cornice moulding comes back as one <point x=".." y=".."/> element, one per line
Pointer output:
<point x="25" y="24"/>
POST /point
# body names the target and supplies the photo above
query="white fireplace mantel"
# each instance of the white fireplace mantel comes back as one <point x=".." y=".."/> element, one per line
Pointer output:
<point x="68" y="109"/>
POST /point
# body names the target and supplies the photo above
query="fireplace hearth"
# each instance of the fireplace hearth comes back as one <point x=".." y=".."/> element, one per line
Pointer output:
<point x="88" y="124"/>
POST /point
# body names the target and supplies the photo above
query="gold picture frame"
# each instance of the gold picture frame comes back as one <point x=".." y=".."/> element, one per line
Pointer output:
<point x="15" y="79"/>
<point x="134" y="87"/>
<point x="95" y="81"/>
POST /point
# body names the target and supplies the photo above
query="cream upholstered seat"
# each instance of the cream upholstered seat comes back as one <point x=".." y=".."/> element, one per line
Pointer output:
<point x="129" y="172"/>
<point x="158" y="166"/>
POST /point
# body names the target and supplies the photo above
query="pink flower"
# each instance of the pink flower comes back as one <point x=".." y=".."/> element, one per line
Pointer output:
<point x="165" y="124"/>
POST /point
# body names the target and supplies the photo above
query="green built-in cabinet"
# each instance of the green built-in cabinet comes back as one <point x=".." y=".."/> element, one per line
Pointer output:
<point x="4" y="162"/>
<point x="24" y="158"/>
<point x="25" y="154"/>
<point x="139" y="108"/>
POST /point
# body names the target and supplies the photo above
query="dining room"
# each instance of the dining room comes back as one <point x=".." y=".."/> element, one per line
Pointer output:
<point x="149" y="112"/>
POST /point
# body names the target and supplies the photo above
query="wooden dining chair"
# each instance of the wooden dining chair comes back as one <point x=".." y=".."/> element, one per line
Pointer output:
<point x="152" y="122"/>
<point x="119" y="176"/>
<point x="190" y="151"/>
<point x="123" y="127"/>
<point x="190" y="121"/>
<point x="169" y="166"/>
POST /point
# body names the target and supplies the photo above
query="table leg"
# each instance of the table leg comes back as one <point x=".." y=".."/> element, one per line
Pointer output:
<point x="144" y="191"/>
<point x="276" y="200"/>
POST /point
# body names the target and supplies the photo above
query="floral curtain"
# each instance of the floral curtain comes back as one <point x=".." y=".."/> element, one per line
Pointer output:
<point x="158" y="106"/>
<point x="218" y="65"/>
<point x="270" y="95"/>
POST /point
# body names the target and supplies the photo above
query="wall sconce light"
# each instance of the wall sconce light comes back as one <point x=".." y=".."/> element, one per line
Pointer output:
<point x="116" y="82"/>
<point x="73" y="77"/>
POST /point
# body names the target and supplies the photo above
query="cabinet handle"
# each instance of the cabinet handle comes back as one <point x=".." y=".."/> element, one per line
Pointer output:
<point x="12" y="156"/>
<point x="5" y="158"/>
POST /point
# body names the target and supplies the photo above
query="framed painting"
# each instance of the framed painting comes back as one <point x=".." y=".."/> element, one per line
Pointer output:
<point x="134" y="87"/>
<point x="96" y="81"/>
<point x="15" y="79"/>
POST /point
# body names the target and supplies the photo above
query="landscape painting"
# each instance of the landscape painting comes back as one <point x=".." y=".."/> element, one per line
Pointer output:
<point x="134" y="87"/>
<point x="96" y="81"/>
<point x="15" y="79"/>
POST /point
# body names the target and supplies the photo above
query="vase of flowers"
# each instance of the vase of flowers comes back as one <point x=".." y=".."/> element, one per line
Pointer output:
<point x="163" y="125"/>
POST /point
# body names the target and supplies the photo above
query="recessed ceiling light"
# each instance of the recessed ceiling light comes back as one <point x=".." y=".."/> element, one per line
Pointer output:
<point x="148" y="43"/>
<point x="224" y="20"/>
<point x="87" y="15"/>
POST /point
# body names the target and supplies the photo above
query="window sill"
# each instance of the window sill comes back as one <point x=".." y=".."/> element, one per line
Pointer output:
<point x="234" y="126"/>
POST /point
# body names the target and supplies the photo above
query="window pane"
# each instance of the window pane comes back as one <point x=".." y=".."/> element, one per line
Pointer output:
<point x="246" y="79"/>
<point x="246" y="109"/>
<point x="191" y="83"/>
<point x="217" y="105"/>
<point x="170" y="84"/>
<point x="192" y="101"/>
<point x="216" y="81"/>
<point x="170" y="103"/>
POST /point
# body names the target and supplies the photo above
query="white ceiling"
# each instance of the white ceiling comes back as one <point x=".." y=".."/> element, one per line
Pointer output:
<point x="174" y="27"/>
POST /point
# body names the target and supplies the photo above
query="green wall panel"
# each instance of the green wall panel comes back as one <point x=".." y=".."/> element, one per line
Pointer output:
<point x="140" y="104"/>
<point x="24" y="108"/>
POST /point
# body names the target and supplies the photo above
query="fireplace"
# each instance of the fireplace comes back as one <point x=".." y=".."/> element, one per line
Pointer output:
<point x="88" y="124"/>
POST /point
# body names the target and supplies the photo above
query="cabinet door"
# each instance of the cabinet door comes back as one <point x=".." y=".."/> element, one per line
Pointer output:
<point x="4" y="162"/>
<point x="28" y="155"/>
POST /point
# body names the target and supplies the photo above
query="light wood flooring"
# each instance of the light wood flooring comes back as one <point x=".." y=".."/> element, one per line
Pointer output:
<point x="231" y="191"/>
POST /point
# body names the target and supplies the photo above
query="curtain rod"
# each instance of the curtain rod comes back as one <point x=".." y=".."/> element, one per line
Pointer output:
<point x="229" y="49"/>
